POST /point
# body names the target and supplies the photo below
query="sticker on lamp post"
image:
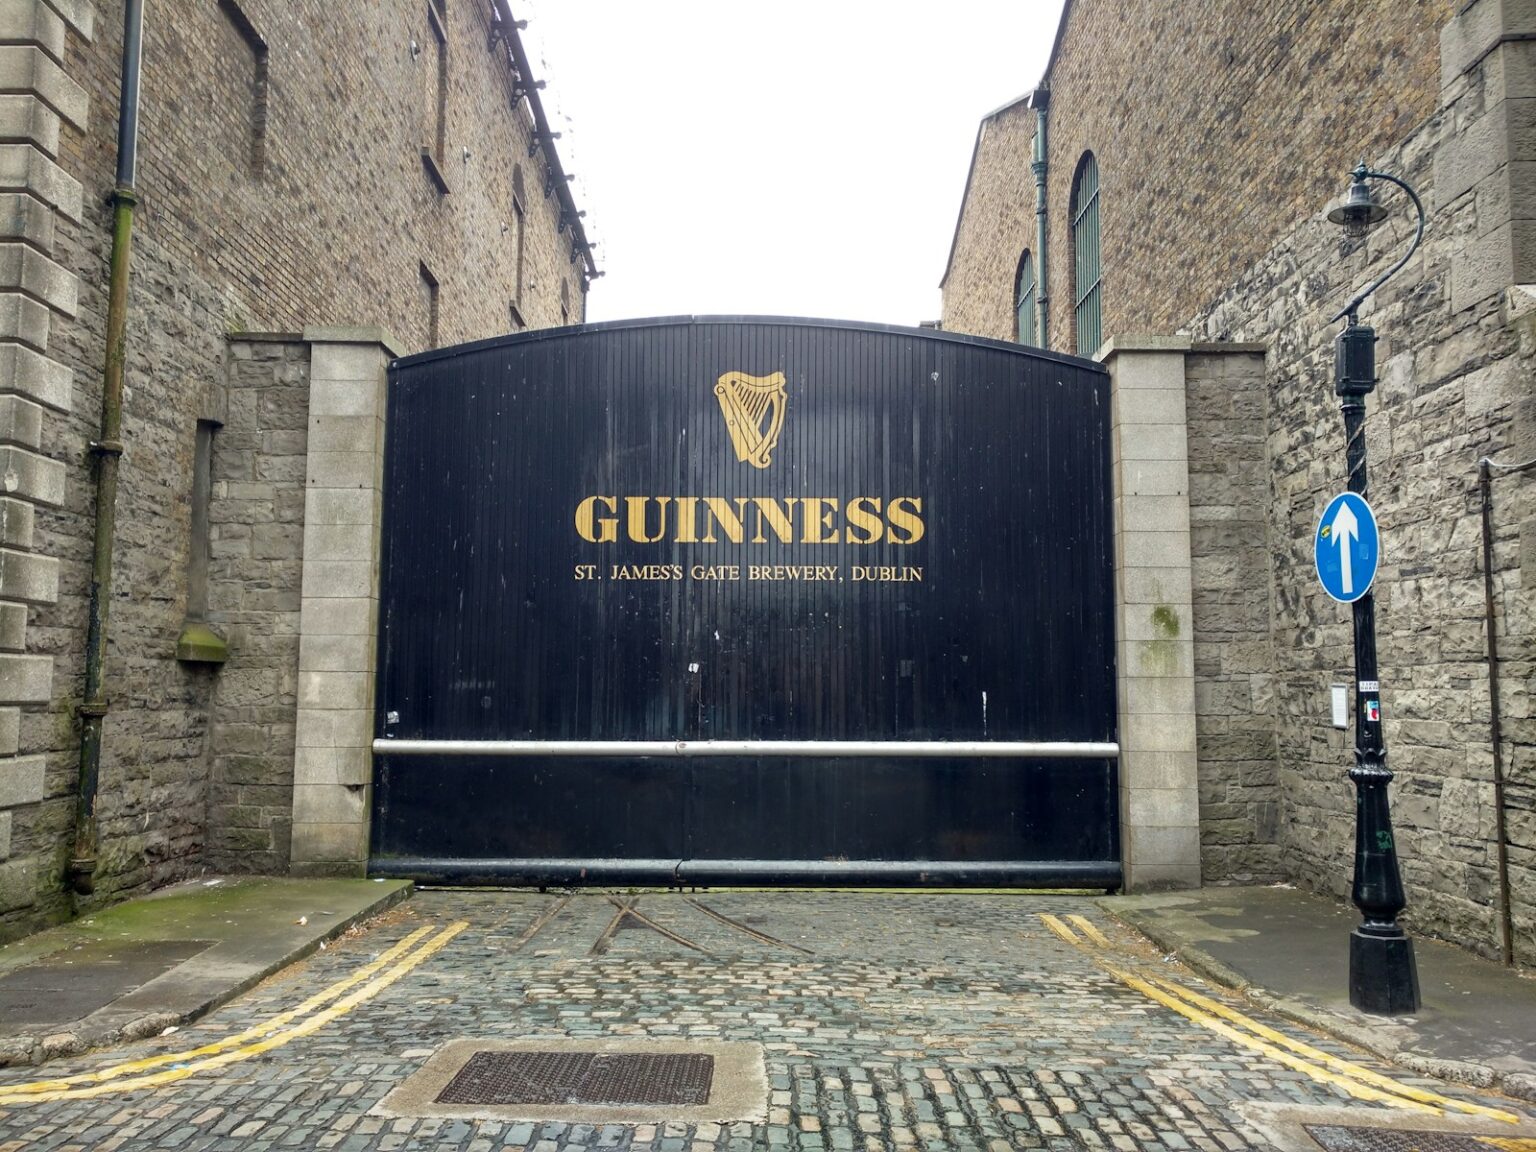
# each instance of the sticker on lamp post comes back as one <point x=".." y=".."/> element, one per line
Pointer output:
<point x="1347" y="547"/>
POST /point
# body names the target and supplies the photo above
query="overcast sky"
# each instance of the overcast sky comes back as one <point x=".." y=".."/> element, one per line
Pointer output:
<point x="789" y="158"/>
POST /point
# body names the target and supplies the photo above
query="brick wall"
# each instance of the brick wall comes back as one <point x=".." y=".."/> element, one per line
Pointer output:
<point x="1214" y="125"/>
<point x="270" y="207"/>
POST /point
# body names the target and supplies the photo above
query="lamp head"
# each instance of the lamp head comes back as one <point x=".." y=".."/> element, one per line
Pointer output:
<point x="1360" y="209"/>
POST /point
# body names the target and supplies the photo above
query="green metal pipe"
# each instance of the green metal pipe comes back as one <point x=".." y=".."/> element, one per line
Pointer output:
<point x="1041" y="102"/>
<point x="108" y="449"/>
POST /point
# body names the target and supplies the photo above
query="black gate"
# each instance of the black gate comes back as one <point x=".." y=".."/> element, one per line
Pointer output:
<point x="712" y="600"/>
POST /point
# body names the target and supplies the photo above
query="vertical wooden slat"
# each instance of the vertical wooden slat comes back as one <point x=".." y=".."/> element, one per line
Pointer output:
<point x="486" y="633"/>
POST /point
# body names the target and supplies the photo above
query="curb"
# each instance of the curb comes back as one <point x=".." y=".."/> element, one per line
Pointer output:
<point x="1519" y="1085"/>
<point x="35" y="1050"/>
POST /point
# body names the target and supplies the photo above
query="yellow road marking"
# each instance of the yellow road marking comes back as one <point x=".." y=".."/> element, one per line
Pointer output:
<point x="20" y="1094"/>
<point x="132" y="1066"/>
<point x="1362" y="1083"/>
<point x="1205" y="1020"/>
<point x="1516" y="1145"/>
<point x="1059" y="928"/>
<point x="1089" y="930"/>
<point x="1347" y="1067"/>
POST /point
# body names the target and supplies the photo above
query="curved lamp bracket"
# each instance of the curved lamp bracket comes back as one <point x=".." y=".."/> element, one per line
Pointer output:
<point x="1364" y="173"/>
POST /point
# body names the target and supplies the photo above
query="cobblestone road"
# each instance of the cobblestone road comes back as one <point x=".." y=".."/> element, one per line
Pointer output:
<point x="888" y="1021"/>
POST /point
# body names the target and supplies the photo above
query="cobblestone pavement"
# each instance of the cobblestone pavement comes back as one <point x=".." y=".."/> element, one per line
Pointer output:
<point x="889" y="1021"/>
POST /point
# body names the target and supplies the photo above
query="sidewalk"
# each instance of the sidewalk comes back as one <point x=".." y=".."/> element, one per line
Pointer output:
<point x="1289" y="951"/>
<point x="135" y="969"/>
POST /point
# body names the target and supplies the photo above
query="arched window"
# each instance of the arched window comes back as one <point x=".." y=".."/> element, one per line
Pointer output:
<point x="1024" y="301"/>
<point x="1087" y="275"/>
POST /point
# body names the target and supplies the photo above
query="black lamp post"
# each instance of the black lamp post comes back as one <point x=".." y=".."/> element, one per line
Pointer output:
<point x="1383" y="978"/>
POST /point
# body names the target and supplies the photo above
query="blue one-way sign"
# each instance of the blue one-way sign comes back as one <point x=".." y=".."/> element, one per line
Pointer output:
<point x="1347" y="547"/>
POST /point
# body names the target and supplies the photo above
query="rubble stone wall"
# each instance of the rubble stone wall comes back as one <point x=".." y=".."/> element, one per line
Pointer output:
<point x="1240" y="787"/>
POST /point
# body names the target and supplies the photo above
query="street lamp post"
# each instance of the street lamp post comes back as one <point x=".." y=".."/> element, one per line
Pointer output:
<point x="1383" y="978"/>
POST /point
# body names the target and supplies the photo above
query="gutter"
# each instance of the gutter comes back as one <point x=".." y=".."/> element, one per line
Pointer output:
<point x="108" y="450"/>
<point x="555" y="178"/>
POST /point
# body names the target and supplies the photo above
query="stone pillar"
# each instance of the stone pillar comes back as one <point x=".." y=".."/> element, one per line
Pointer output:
<point x="1488" y="89"/>
<point x="1159" y="787"/>
<point x="338" y="615"/>
<point x="35" y="194"/>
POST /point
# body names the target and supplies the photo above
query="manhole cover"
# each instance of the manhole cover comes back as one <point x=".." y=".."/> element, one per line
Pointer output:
<point x="588" y="1080"/>
<point x="491" y="1078"/>
<point x="1340" y="1139"/>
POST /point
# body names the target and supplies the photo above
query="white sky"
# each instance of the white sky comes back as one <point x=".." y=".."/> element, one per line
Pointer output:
<point x="789" y="158"/>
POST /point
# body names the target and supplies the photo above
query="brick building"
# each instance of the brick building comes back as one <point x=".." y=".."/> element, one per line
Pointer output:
<point x="320" y="186"/>
<point x="1162" y="208"/>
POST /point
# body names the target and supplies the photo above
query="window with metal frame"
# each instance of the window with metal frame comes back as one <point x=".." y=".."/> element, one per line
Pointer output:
<point x="1087" y="273"/>
<point x="1024" y="301"/>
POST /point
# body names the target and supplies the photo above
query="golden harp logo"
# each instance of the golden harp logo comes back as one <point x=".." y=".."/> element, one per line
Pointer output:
<point x="753" y="407"/>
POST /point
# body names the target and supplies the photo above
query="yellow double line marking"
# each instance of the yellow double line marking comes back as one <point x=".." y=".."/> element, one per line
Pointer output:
<point x="1361" y="1083"/>
<point x="373" y="977"/>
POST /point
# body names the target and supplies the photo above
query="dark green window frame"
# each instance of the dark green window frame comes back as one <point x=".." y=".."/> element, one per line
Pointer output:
<point x="1024" y="301"/>
<point x="1088" y="277"/>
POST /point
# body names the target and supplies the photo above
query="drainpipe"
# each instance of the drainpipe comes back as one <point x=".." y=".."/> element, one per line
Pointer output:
<point x="107" y="449"/>
<point x="1485" y="468"/>
<point x="1040" y="101"/>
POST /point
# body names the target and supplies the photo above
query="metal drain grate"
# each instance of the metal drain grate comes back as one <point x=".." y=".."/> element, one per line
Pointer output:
<point x="498" y="1078"/>
<point x="1339" y="1139"/>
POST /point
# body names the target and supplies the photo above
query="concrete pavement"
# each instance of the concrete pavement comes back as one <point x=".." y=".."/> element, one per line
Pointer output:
<point x="1290" y="951"/>
<point x="135" y="969"/>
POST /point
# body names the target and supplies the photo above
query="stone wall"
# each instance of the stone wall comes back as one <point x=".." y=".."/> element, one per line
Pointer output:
<point x="1214" y="128"/>
<point x="282" y="186"/>
<point x="1240" y="790"/>
<point x="42" y="203"/>
<point x="1455" y="385"/>
<point x="256" y="549"/>
<point x="1212" y="203"/>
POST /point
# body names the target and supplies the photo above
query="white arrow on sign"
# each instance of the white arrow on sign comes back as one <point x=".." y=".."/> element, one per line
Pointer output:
<point x="1345" y="530"/>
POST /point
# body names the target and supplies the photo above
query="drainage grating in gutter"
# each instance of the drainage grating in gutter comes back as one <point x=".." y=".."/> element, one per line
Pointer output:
<point x="501" y="1078"/>
<point x="1335" y="1138"/>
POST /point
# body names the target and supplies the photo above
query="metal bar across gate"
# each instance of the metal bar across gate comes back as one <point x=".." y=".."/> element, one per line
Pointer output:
<point x="896" y="749"/>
